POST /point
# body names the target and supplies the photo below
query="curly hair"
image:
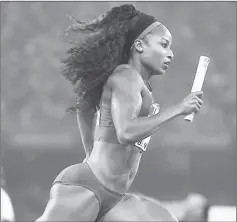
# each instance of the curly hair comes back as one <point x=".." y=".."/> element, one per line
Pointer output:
<point x="92" y="60"/>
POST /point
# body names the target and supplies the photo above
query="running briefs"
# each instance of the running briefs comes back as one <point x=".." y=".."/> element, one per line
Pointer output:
<point x="82" y="175"/>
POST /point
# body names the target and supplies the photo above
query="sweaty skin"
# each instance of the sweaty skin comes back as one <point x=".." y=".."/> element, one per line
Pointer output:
<point x="116" y="165"/>
<point x="138" y="208"/>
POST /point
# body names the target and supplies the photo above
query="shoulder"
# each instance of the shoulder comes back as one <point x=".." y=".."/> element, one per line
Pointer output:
<point x="125" y="75"/>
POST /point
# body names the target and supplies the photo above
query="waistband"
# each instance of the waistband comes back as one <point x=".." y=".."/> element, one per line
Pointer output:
<point x="115" y="193"/>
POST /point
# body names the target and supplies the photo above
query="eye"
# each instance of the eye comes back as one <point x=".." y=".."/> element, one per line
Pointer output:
<point x="164" y="45"/>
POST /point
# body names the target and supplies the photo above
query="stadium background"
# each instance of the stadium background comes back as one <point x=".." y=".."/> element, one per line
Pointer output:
<point x="38" y="138"/>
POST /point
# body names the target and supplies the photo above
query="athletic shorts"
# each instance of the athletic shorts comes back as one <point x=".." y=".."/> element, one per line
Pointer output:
<point x="82" y="175"/>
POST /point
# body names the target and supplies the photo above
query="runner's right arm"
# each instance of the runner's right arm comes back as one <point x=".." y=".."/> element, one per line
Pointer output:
<point x="126" y="104"/>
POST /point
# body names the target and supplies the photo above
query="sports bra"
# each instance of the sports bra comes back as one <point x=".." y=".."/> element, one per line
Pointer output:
<point x="105" y="130"/>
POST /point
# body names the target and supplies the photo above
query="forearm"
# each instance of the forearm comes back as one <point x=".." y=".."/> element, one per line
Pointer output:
<point x="143" y="127"/>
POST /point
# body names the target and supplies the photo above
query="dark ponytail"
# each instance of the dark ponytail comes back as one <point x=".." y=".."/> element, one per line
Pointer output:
<point x="92" y="60"/>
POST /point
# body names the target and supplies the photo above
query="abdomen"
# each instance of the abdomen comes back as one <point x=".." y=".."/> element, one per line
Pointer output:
<point x="115" y="165"/>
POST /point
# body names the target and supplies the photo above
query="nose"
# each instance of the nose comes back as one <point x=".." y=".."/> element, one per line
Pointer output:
<point x="170" y="55"/>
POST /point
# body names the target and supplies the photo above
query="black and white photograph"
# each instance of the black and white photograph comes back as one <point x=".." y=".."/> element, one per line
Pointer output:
<point x="118" y="111"/>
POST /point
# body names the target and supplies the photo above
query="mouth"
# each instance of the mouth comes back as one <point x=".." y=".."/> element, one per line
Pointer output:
<point x="166" y="65"/>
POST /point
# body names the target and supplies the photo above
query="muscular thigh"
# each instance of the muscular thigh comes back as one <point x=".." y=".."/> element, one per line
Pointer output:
<point x="71" y="203"/>
<point x="136" y="208"/>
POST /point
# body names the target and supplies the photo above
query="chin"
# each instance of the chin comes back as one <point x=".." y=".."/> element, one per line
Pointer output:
<point x="159" y="72"/>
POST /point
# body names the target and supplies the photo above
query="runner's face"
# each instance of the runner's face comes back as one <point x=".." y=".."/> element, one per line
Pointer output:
<point x="157" y="54"/>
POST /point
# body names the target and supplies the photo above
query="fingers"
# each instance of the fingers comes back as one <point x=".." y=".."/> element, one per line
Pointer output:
<point x="198" y="100"/>
<point x="198" y="94"/>
<point x="196" y="108"/>
<point x="193" y="102"/>
<point x="196" y="103"/>
<point x="199" y="106"/>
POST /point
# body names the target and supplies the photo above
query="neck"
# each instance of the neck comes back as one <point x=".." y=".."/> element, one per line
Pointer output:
<point x="140" y="68"/>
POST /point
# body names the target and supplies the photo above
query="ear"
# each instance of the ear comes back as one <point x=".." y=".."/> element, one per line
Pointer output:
<point x="138" y="45"/>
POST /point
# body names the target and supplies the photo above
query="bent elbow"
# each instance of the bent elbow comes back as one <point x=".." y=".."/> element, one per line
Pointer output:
<point x="124" y="138"/>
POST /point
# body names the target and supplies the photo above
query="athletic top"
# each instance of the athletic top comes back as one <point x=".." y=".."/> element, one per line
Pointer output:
<point x="105" y="130"/>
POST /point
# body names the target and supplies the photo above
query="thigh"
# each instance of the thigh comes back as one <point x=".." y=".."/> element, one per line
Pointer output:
<point x="137" y="208"/>
<point x="71" y="203"/>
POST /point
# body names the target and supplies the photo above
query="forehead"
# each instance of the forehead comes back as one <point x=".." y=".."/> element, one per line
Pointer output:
<point x="161" y="32"/>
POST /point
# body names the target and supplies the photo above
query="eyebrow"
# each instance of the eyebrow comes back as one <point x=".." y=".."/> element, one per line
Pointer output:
<point x="165" y="39"/>
<point x="168" y="42"/>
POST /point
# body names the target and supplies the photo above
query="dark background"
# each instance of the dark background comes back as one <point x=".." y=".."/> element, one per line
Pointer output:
<point x="39" y="139"/>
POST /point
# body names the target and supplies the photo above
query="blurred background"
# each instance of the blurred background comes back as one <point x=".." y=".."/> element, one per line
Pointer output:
<point x="39" y="139"/>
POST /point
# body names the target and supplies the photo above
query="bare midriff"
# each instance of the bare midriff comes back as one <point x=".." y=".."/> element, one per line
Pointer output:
<point x="115" y="165"/>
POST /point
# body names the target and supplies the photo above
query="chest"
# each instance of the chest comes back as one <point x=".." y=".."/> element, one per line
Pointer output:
<point x="147" y="101"/>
